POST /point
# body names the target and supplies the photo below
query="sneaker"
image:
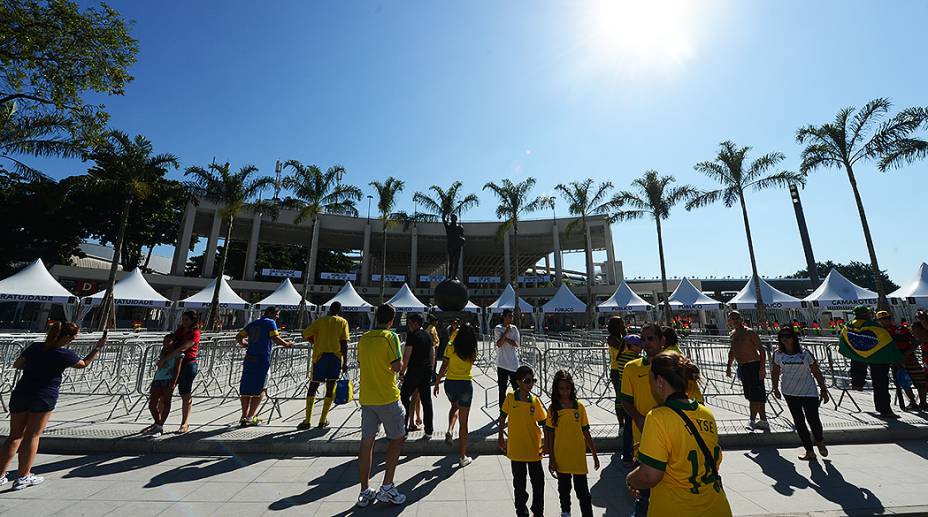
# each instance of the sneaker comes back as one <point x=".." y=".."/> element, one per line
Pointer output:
<point x="304" y="425"/>
<point x="253" y="422"/>
<point x="889" y="416"/>
<point x="4" y="480"/>
<point x="808" y="455"/>
<point x="243" y="422"/>
<point x="822" y="449"/>
<point x="157" y="430"/>
<point x="465" y="461"/>
<point x="389" y="494"/>
<point x="448" y="439"/>
<point x="27" y="481"/>
<point x="366" y="497"/>
<point x="763" y="425"/>
<point x="751" y="425"/>
<point x="322" y="424"/>
<point x="426" y="437"/>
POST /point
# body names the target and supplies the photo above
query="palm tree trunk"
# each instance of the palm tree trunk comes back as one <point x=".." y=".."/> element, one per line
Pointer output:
<point x="301" y="310"/>
<point x="108" y="307"/>
<point x="214" y="304"/>
<point x="660" y="253"/>
<point x="758" y="295"/>
<point x="516" y="309"/>
<point x="882" y="303"/>
<point x="383" y="262"/>
<point x="589" y="273"/>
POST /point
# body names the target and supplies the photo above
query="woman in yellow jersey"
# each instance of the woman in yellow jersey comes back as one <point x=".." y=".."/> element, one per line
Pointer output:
<point x="679" y="450"/>
<point x="567" y="438"/>
<point x="460" y="355"/>
<point x="622" y="349"/>
<point x="526" y="414"/>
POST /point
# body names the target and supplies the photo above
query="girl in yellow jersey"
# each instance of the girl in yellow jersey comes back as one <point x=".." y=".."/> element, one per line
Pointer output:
<point x="526" y="414"/>
<point x="678" y="438"/>
<point x="567" y="438"/>
<point x="460" y="354"/>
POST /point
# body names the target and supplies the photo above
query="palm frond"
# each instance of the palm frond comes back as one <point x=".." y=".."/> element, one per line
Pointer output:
<point x="894" y="130"/>
<point x="628" y="215"/>
<point x="780" y="179"/>
<point x="701" y="199"/>
<point x="865" y="118"/>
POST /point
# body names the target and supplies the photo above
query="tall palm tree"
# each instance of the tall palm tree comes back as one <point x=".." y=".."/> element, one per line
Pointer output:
<point x="36" y="135"/>
<point x="583" y="200"/>
<point x="317" y="192"/>
<point x="730" y="170"/>
<point x="444" y="203"/>
<point x="386" y="202"/>
<point x="851" y="137"/>
<point x="126" y="168"/>
<point x="653" y="196"/>
<point x="513" y="202"/>
<point x="233" y="192"/>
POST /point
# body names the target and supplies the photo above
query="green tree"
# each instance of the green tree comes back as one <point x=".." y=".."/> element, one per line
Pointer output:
<point x="126" y="170"/>
<point x="584" y="200"/>
<point x="233" y="192"/>
<point x="316" y="193"/>
<point x="853" y="137"/>
<point x="653" y="196"/>
<point x="855" y="271"/>
<point x="386" y="203"/>
<point x="513" y="202"/>
<point x="54" y="53"/>
<point x="731" y="170"/>
<point x="442" y="204"/>
<point x="36" y="135"/>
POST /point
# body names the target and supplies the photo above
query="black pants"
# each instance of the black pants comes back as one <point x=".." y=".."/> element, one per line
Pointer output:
<point x="519" y="471"/>
<point x="420" y="383"/>
<point x="805" y="409"/>
<point x="879" y="376"/>
<point x="583" y="493"/>
<point x="504" y="379"/>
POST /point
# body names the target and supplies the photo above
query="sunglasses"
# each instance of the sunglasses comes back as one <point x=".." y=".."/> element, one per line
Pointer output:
<point x="528" y="380"/>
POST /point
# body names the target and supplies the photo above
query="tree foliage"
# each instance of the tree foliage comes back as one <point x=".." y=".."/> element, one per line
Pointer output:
<point x="271" y="256"/>
<point x="442" y="203"/>
<point x="855" y="271"/>
<point x="316" y="192"/>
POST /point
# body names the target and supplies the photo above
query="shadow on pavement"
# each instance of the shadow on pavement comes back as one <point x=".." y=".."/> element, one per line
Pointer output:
<point x="197" y="470"/>
<point x="609" y="491"/>
<point x="779" y="469"/>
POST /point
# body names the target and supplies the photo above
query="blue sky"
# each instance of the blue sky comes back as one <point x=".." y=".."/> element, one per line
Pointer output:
<point x="431" y="92"/>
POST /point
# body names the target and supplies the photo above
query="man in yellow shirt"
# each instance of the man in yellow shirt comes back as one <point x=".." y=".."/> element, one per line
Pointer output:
<point x="380" y="359"/>
<point x="329" y="336"/>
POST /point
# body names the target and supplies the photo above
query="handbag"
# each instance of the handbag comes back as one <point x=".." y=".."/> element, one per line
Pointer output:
<point x="709" y="457"/>
<point x="344" y="391"/>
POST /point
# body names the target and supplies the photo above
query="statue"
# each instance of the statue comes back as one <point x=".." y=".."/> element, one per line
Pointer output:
<point x="455" y="235"/>
<point x="451" y="295"/>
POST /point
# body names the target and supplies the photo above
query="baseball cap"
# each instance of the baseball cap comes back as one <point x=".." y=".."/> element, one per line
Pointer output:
<point x="883" y="314"/>
<point x="633" y="339"/>
<point x="860" y="310"/>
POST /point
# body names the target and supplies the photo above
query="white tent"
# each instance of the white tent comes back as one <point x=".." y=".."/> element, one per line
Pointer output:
<point x="687" y="297"/>
<point x="405" y="301"/>
<point x="285" y="298"/>
<point x="227" y="298"/>
<point x="564" y="301"/>
<point x="350" y="299"/>
<point x="34" y="283"/>
<point x="837" y="292"/>
<point x="131" y="290"/>
<point x="773" y="298"/>
<point x="472" y="307"/>
<point x="624" y="300"/>
<point x="916" y="290"/>
<point x="507" y="300"/>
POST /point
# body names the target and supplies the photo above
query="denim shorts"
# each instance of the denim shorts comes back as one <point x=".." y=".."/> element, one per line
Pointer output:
<point x="461" y="392"/>
<point x="188" y="372"/>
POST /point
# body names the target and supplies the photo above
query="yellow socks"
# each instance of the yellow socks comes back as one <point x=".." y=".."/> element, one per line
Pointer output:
<point x="326" y="405"/>
<point x="309" y="408"/>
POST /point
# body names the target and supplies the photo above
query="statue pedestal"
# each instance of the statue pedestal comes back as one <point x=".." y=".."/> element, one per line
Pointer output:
<point x="451" y="295"/>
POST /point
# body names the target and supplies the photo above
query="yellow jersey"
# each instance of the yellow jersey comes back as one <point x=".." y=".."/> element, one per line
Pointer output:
<point x="327" y="334"/>
<point x="433" y="333"/>
<point x="569" y="442"/>
<point x="636" y="388"/>
<point x="688" y="486"/>
<point x="525" y="418"/>
<point x="377" y="351"/>
<point x="458" y="369"/>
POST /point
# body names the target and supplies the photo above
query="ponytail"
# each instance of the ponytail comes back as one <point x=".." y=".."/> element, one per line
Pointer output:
<point x="675" y="368"/>
<point x="60" y="329"/>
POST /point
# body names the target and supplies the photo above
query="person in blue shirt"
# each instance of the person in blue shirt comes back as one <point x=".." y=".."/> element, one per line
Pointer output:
<point x="258" y="337"/>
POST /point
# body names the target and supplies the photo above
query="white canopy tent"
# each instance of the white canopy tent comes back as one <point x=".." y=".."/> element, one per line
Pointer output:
<point x="624" y="300"/>
<point x="285" y="298"/>
<point x="916" y="290"/>
<point x="507" y="300"/>
<point x="131" y="290"/>
<point x="34" y="284"/>
<point x="687" y="297"/>
<point x="564" y="301"/>
<point x="405" y="301"/>
<point x="350" y="299"/>
<point x="227" y="297"/>
<point x="773" y="298"/>
<point x="839" y="293"/>
<point x="473" y="307"/>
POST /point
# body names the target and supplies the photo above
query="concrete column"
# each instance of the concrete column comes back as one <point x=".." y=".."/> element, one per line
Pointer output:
<point x="414" y="259"/>
<point x="547" y="264"/>
<point x="366" y="257"/>
<point x="314" y="251"/>
<point x="611" y="274"/>
<point x="211" y="244"/>
<point x="183" y="239"/>
<point x="252" y="255"/>
<point x="558" y="256"/>
<point x="590" y="266"/>
<point x="507" y="266"/>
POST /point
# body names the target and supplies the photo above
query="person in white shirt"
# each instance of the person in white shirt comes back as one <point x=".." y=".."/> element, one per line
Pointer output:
<point x="508" y="340"/>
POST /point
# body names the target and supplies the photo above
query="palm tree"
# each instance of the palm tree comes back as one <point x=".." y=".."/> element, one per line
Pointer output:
<point x="850" y="138"/>
<point x="584" y="200"/>
<point x="125" y="168"/>
<point x="444" y="203"/>
<point x="735" y="177"/>
<point x="233" y="192"/>
<point x="317" y="193"/>
<point x="654" y="196"/>
<point x="386" y="202"/>
<point x="32" y="135"/>
<point x="513" y="202"/>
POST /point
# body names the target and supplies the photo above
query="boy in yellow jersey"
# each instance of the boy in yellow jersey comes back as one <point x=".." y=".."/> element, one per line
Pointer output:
<point x="679" y="452"/>
<point x="329" y="336"/>
<point x="380" y="359"/>
<point x="526" y="414"/>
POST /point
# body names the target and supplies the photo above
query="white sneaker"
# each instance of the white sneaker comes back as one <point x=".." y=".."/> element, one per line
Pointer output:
<point x="389" y="494"/>
<point x="365" y="498"/>
<point x="4" y="480"/>
<point x="762" y="424"/>
<point x="27" y="481"/>
<point x="465" y="461"/>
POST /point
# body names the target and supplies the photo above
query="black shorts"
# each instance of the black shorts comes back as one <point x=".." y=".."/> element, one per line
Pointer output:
<point x="29" y="403"/>
<point x="753" y="385"/>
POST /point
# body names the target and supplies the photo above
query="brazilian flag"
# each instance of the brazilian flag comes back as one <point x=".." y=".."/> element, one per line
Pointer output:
<point x="866" y="341"/>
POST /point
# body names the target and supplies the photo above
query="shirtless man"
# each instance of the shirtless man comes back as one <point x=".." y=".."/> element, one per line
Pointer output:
<point x="747" y="349"/>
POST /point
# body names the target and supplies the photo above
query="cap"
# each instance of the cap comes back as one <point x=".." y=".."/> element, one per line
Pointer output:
<point x="883" y="314"/>
<point x="786" y="331"/>
<point x="860" y="310"/>
<point x="633" y="339"/>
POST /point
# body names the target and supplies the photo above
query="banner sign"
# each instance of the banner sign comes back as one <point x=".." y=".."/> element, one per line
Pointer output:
<point x="432" y="278"/>
<point x="338" y="276"/>
<point x="389" y="278"/>
<point x="534" y="279"/>
<point x="282" y="273"/>
<point x="483" y="280"/>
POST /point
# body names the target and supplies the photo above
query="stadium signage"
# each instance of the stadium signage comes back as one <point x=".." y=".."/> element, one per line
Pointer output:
<point x="534" y="279"/>
<point x="432" y="278"/>
<point x="483" y="280"/>
<point x="389" y="278"/>
<point x="282" y="273"/>
<point x="338" y="276"/>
